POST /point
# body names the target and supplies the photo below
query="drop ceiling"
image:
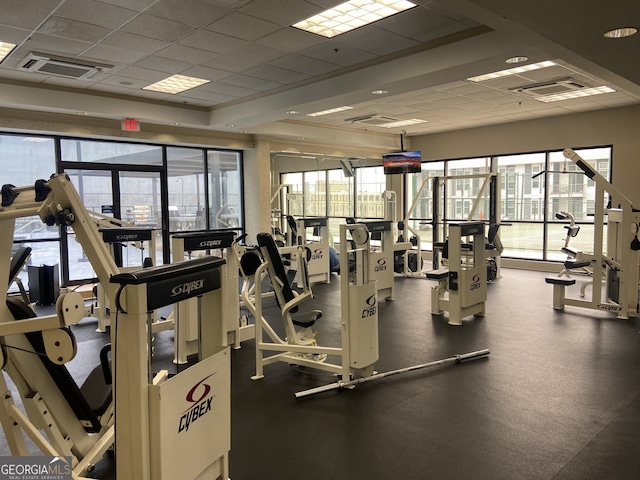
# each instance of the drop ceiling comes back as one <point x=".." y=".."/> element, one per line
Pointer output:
<point x="265" y="76"/>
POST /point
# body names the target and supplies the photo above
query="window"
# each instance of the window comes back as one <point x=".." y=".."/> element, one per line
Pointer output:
<point x="371" y="182"/>
<point x="224" y="182"/>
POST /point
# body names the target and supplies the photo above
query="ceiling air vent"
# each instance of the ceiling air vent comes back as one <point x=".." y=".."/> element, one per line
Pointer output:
<point x="373" y="119"/>
<point x="61" y="67"/>
<point x="550" y="87"/>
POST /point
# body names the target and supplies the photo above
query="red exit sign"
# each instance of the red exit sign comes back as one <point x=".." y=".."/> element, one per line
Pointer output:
<point x="130" y="125"/>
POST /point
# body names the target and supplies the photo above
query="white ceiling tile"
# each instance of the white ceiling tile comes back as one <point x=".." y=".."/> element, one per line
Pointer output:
<point x="290" y="39"/>
<point x="96" y="13"/>
<point x="18" y="13"/>
<point x="211" y="98"/>
<point x="192" y="12"/>
<point x="128" y="82"/>
<point x="275" y="74"/>
<point x="282" y="12"/>
<point x="246" y="57"/>
<point x="159" y="28"/>
<point x="207" y="73"/>
<point x="243" y="26"/>
<point x="182" y="53"/>
<point x="162" y="64"/>
<point x="306" y="65"/>
<point x="139" y="43"/>
<point x="111" y="54"/>
<point x="252" y="83"/>
<point x="151" y="76"/>
<point x="212" y="41"/>
<point x="64" y="27"/>
<point x="137" y="5"/>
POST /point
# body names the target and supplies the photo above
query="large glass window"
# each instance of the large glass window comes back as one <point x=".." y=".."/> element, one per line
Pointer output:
<point x="371" y="183"/>
<point x="225" y="189"/>
<point x="315" y="194"/>
<point x="25" y="159"/>
<point x="110" y="152"/>
<point x="419" y="200"/>
<point x="185" y="186"/>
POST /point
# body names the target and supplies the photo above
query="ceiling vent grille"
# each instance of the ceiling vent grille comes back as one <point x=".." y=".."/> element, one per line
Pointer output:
<point x="550" y="87"/>
<point x="62" y="67"/>
<point x="373" y="119"/>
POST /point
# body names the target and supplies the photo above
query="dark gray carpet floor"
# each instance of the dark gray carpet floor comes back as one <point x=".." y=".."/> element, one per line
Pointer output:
<point x="558" y="397"/>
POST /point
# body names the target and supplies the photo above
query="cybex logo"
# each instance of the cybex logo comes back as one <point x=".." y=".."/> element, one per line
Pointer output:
<point x="371" y="307"/>
<point x="317" y="254"/>
<point x="210" y="243"/>
<point x="200" y="400"/>
<point x="475" y="284"/>
<point x="187" y="288"/>
<point x="381" y="265"/>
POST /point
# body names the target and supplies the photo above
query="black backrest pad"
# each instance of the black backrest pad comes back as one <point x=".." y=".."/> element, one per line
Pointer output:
<point x="17" y="261"/>
<point x="59" y="373"/>
<point x="265" y="241"/>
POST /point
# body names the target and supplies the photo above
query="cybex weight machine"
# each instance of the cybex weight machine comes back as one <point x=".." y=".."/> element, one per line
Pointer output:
<point x="614" y="285"/>
<point x="462" y="288"/>
<point x="184" y="314"/>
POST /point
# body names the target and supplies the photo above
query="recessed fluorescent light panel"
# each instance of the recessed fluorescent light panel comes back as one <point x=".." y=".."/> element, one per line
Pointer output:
<point x="402" y="123"/>
<point x="583" y="92"/>
<point x="176" y="84"/>
<point x="621" y="32"/>
<point x="511" y="71"/>
<point x="350" y="15"/>
<point x="327" y="112"/>
<point x="5" y="49"/>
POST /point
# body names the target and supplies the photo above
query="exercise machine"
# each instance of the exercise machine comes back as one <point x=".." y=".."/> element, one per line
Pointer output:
<point x="462" y="287"/>
<point x="313" y="233"/>
<point x="382" y="255"/>
<point x="118" y="236"/>
<point x="359" y="311"/>
<point x="615" y="274"/>
<point x="187" y="414"/>
<point x="35" y="350"/>
<point x="184" y="314"/>
<point x="487" y="197"/>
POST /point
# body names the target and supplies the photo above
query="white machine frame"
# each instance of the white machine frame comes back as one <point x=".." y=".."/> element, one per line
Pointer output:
<point x="131" y="419"/>
<point x="184" y="314"/>
<point x="359" y="316"/>
<point x="462" y="288"/>
<point x="318" y="266"/>
<point x="490" y="183"/>
<point x="615" y="276"/>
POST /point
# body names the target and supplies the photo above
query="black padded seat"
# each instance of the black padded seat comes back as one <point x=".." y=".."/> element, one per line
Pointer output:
<point x="571" y="264"/>
<point x="560" y="281"/>
<point x="302" y="319"/>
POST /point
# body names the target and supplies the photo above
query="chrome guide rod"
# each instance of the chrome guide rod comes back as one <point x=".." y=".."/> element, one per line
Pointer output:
<point x="337" y="385"/>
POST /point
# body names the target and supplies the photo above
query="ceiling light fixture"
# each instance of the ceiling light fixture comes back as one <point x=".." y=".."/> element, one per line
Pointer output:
<point x="512" y="71"/>
<point x="513" y="60"/>
<point x="292" y="112"/>
<point x="176" y="84"/>
<point x="327" y="112"/>
<point x="350" y="15"/>
<point x="379" y="92"/>
<point x="583" y="92"/>
<point x="621" y="32"/>
<point x="403" y="123"/>
<point x="5" y="49"/>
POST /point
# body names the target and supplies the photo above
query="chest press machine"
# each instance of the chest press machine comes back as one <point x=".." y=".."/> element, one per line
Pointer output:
<point x="462" y="288"/>
<point x="58" y="417"/>
<point x="359" y="313"/>
<point x="184" y="314"/>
